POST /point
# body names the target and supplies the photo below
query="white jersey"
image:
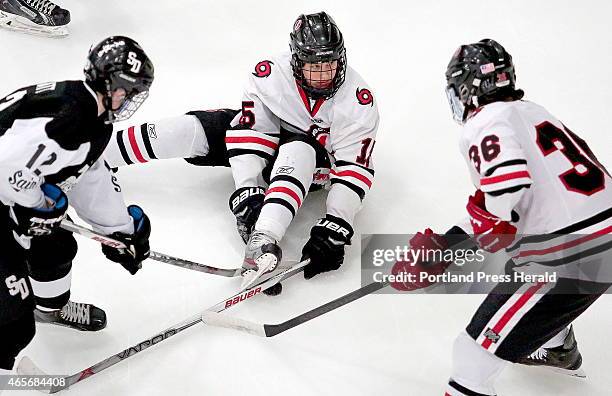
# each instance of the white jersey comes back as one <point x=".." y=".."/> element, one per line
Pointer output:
<point x="527" y="161"/>
<point x="345" y="125"/>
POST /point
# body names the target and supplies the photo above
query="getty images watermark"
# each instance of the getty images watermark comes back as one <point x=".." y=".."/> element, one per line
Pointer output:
<point x="471" y="270"/>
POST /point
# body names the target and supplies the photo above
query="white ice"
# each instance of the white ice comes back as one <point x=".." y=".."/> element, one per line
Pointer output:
<point x="391" y="345"/>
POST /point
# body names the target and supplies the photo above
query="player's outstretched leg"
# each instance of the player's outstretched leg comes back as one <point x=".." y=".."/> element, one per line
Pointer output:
<point x="50" y="261"/>
<point x="40" y="17"/>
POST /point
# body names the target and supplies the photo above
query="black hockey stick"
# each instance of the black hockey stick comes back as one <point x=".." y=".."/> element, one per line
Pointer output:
<point x="164" y="258"/>
<point x="270" y="330"/>
<point x="27" y="367"/>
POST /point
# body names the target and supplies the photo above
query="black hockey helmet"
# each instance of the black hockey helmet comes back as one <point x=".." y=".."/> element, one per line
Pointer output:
<point x="478" y="74"/>
<point x="316" y="39"/>
<point x="120" y="62"/>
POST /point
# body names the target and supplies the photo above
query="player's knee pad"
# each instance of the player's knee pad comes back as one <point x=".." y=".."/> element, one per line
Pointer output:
<point x="474" y="368"/>
<point x="15" y="336"/>
<point x="50" y="264"/>
<point x="215" y="124"/>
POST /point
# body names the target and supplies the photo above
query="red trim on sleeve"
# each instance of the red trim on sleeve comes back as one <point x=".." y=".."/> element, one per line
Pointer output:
<point x="501" y="178"/>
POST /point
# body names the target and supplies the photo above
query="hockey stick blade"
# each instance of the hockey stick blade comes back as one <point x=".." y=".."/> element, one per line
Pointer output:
<point x="26" y="365"/>
<point x="161" y="257"/>
<point x="218" y="319"/>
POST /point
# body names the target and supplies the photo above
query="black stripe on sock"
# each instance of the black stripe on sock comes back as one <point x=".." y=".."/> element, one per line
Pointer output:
<point x="147" y="141"/>
<point x="122" y="149"/>
<point x="465" y="390"/>
<point x="358" y="190"/>
<point x="282" y="202"/>
<point x="236" y="152"/>
<point x="341" y="163"/>
<point x="290" y="179"/>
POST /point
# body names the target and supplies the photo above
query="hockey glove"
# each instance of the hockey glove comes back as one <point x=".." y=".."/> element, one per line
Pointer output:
<point x="137" y="243"/>
<point x="246" y="203"/>
<point x="417" y="273"/>
<point x="325" y="248"/>
<point x="42" y="221"/>
<point x="490" y="232"/>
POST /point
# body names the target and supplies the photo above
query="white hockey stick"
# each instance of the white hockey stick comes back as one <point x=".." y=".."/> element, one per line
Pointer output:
<point x="27" y="367"/>
<point x="164" y="258"/>
<point x="270" y="330"/>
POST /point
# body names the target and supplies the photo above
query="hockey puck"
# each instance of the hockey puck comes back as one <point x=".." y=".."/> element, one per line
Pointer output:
<point x="274" y="290"/>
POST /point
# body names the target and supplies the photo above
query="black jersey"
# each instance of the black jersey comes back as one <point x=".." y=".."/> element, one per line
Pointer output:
<point x="52" y="133"/>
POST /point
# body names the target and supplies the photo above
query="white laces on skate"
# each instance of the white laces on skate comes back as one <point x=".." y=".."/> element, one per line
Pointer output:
<point x="76" y="312"/>
<point x="44" y="6"/>
<point x="539" y="354"/>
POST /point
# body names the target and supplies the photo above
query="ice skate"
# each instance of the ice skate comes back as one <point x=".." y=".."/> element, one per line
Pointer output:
<point x="79" y="316"/>
<point x="39" y="17"/>
<point x="262" y="255"/>
<point x="565" y="359"/>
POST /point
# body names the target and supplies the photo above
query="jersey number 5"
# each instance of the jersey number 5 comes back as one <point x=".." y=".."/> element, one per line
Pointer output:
<point x="248" y="117"/>
<point x="586" y="175"/>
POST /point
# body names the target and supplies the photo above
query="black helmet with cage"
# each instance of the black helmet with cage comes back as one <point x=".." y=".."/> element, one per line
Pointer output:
<point x="119" y="63"/>
<point x="478" y="74"/>
<point x="316" y="39"/>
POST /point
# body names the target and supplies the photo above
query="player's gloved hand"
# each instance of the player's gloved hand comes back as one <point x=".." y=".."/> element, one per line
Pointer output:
<point x="325" y="248"/>
<point x="42" y="221"/>
<point x="490" y="232"/>
<point x="417" y="271"/>
<point x="137" y="243"/>
<point x="246" y="203"/>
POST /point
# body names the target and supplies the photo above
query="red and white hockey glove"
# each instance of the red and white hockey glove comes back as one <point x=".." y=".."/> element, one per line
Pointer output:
<point x="420" y="270"/>
<point x="490" y="232"/>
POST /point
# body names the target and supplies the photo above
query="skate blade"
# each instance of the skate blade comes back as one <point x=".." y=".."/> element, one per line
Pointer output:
<point x="23" y="25"/>
<point x="579" y="373"/>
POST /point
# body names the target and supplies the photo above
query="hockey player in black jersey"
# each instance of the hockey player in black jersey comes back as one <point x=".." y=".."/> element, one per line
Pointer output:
<point x="51" y="138"/>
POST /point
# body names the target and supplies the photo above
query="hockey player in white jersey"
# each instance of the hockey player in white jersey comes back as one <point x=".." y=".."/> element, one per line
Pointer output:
<point x="315" y="120"/>
<point x="307" y="120"/>
<point x="51" y="138"/>
<point x="544" y="197"/>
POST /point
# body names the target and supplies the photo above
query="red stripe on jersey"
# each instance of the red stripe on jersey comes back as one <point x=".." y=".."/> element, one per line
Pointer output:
<point x="354" y="174"/>
<point x="287" y="191"/>
<point x="506" y="177"/>
<point x="503" y="321"/>
<point x="566" y="245"/>
<point x="306" y="101"/>
<point x="251" y="139"/>
<point x="134" y="145"/>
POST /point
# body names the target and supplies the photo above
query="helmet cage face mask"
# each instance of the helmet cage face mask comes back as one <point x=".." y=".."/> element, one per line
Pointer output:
<point x="320" y="87"/>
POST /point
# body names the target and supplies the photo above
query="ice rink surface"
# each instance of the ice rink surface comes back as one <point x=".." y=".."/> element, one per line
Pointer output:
<point x="381" y="345"/>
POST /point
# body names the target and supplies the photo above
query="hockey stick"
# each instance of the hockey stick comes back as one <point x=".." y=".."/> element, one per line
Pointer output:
<point x="27" y="367"/>
<point x="270" y="330"/>
<point x="164" y="258"/>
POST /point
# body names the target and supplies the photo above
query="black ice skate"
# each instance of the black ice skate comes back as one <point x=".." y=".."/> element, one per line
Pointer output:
<point x="79" y="316"/>
<point x="565" y="359"/>
<point x="40" y="17"/>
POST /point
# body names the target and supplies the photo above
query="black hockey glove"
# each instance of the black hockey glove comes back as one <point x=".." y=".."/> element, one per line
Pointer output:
<point x="325" y="248"/>
<point x="246" y="203"/>
<point x="137" y="243"/>
<point x="42" y="221"/>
